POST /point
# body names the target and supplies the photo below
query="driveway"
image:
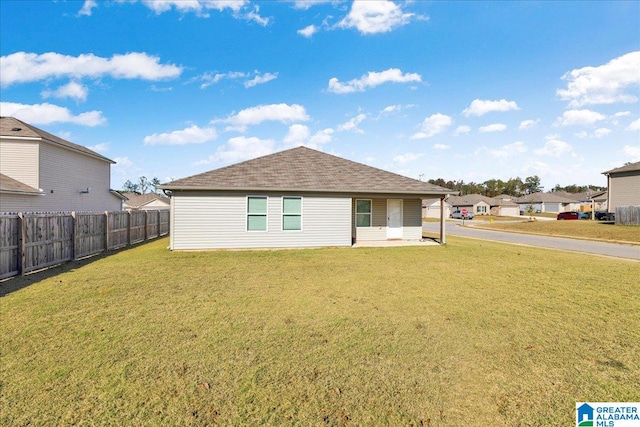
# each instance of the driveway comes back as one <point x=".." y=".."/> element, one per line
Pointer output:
<point x="455" y="228"/>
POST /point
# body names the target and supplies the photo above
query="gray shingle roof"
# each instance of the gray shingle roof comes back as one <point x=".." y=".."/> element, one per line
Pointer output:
<point x="544" y="198"/>
<point x="12" y="127"/>
<point x="631" y="167"/>
<point x="10" y="185"/>
<point x="304" y="169"/>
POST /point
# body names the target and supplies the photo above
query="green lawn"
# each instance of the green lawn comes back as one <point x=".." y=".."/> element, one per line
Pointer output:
<point x="474" y="333"/>
<point x="584" y="229"/>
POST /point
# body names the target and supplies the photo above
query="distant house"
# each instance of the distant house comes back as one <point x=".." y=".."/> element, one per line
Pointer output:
<point x="545" y="202"/>
<point x="42" y="172"/>
<point x="482" y="205"/>
<point x="296" y="198"/>
<point x="431" y="208"/>
<point x="623" y="185"/>
<point x="144" y="202"/>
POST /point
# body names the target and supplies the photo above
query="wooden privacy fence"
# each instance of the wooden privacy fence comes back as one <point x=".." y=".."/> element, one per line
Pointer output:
<point x="628" y="215"/>
<point x="30" y="242"/>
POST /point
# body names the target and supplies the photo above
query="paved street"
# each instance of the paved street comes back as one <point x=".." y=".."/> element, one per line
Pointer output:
<point x="576" y="245"/>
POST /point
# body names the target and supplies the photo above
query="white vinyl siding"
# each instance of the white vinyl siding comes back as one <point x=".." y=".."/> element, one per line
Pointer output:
<point x="624" y="190"/>
<point x="378" y="228"/>
<point x="217" y="220"/>
<point x="412" y="219"/>
<point x="19" y="160"/>
<point x="62" y="175"/>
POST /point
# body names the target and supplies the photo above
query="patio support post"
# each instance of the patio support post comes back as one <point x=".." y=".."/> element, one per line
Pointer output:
<point x="443" y="237"/>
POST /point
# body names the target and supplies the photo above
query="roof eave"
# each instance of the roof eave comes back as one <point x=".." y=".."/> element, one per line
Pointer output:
<point x="305" y="190"/>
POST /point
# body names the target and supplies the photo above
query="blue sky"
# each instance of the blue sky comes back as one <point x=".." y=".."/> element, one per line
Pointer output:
<point x="453" y="90"/>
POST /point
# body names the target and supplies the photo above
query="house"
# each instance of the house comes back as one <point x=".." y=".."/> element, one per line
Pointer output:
<point x="296" y="198"/>
<point x="482" y="205"/>
<point x="431" y="208"/>
<point x="145" y="202"/>
<point x="40" y="172"/>
<point x="475" y="203"/>
<point x="545" y="202"/>
<point x="623" y="186"/>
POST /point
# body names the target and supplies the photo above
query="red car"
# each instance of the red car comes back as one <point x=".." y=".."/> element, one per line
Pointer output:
<point x="568" y="215"/>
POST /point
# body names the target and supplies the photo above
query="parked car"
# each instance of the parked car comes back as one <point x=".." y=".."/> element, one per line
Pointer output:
<point x="458" y="215"/>
<point x="604" y="216"/>
<point x="568" y="215"/>
<point x="584" y="215"/>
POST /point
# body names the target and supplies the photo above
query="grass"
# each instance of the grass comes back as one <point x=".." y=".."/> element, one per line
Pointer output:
<point x="581" y="229"/>
<point x="473" y="333"/>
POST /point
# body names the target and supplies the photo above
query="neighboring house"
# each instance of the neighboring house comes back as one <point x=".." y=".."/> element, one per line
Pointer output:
<point x="431" y="208"/>
<point x="545" y="202"/>
<point x="504" y="207"/>
<point x="482" y="205"/>
<point x="146" y="202"/>
<point x="476" y="203"/>
<point x="295" y="198"/>
<point x="623" y="185"/>
<point x="40" y="172"/>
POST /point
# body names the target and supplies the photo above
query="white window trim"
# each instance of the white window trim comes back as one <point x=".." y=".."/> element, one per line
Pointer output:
<point x="282" y="214"/>
<point x="355" y="208"/>
<point x="246" y="216"/>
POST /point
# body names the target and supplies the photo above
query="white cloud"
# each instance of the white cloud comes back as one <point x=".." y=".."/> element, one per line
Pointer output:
<point x="622" y="114"/>
<point x="553" y="147"/>
<point x="103" y="147"/>
<point x="632" y="151"/>
<point x="407" y="157"/>
<point x="200" y="7"/>
<point x="441" y="146"/>
<point x="87" y="7"/>
<point x="604" y="84"/>
<point x="370" y="17"/>
<point x="73" y="90"/>
<point x="283" y="113"/>
<point x="352" y="125"/>
<point x="479" y="107"/>
<point x="579" y="117"/>
<point x="308" y="31"/>
<point x="528" y="124"/>
<point x="433" y="125"/>
<point x="22" y="67"/>
<point x="635" y="125"/>
<point x="213" y="78"/>
<point x="260" y="79"/>
<point x="190" y="135"/>
<point x="306" y="4"/>
<point x="122" y="161"/>
<point x="43" y="114"/>
<point x="239" y="149"/>
<point x="599" y="133"/>
<point x="301" y="135"/>
<point x="462" y="130"/>
<point x="372" y="79"/>
<point x="504" y="152"/>
<point x="495" y="127"/>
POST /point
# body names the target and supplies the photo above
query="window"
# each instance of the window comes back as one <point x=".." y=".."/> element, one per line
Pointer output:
<point x="363" y="213"/>
<point x="482" y="209"/>
<point x="257" y="213"/>
<point x="292" y="213"/>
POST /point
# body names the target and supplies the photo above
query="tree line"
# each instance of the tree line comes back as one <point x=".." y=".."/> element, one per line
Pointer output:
<point x="142" y="186"/>
<point x="515" y="187"/>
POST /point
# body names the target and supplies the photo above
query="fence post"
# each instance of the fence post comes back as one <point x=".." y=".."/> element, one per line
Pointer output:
<point x="106" y="231"/>
<point x="21" y="244"/>
<point x="128" y="228"/>
<point x="73" y="235"/>
<point x="146" y="224"/>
